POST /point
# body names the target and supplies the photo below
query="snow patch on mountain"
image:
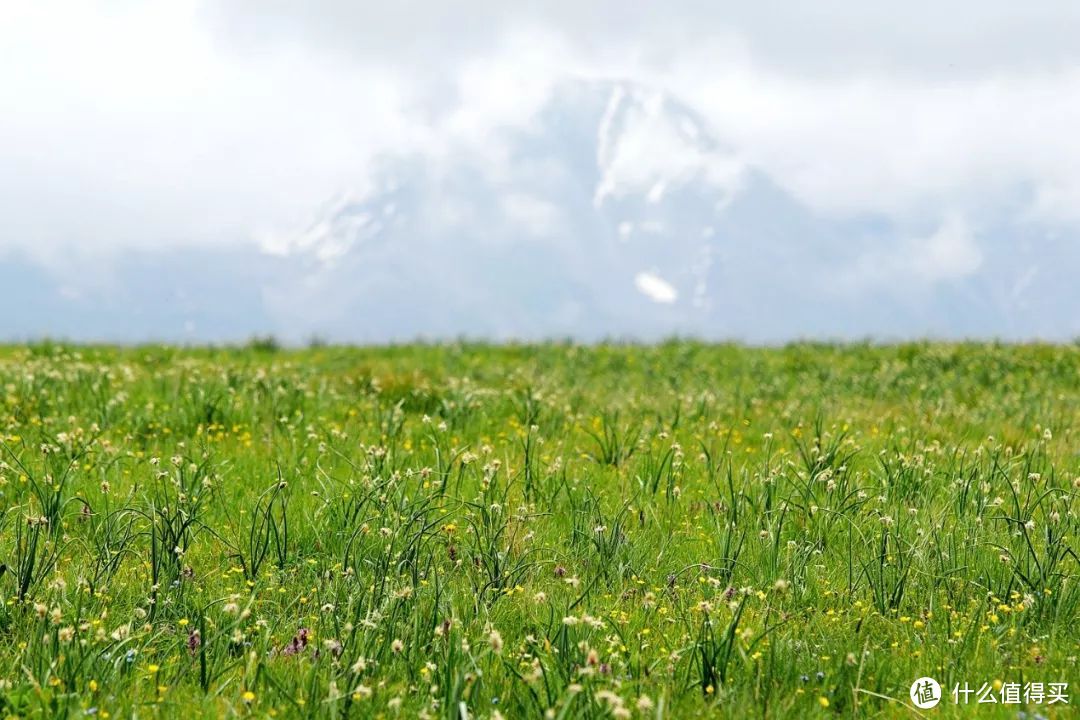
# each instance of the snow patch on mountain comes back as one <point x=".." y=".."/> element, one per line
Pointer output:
<point x="655" y="288"/>
<point x="645" y="144"/>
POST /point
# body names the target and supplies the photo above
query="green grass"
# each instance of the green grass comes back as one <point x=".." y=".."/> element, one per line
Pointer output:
<point x="468" y="531"/>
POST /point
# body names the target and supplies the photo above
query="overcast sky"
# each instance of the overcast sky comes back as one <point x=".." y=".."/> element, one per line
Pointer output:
<point x="130" y="124"/>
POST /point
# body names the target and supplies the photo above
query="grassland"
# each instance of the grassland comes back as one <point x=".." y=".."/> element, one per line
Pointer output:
<point x="475" y="531"/>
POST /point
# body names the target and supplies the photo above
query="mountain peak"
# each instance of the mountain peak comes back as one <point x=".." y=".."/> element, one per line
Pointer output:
<point x="614" y="210"/>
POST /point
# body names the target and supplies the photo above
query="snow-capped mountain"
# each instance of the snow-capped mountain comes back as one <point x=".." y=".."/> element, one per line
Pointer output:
<point x="615" y="211"/>
<point x="602" y="210"/>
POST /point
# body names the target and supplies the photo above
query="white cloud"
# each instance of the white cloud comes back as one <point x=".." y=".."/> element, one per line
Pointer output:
<point x="895" y="145"/>
<point x="932" y="39"/>
<point x="124" y="126"/>
<point x="129" y="124"/>
<point x="537" y="216"/>
<point x="950" y="252"/>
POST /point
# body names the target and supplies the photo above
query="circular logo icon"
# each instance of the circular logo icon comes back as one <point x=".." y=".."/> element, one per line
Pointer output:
<point x="925" y="693"/>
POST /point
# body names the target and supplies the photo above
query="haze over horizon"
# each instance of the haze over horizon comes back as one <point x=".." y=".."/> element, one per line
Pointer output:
<point x="209" y="171"/>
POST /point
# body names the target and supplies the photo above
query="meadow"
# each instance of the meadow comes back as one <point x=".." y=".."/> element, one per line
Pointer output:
<point x="554" y="530"/>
